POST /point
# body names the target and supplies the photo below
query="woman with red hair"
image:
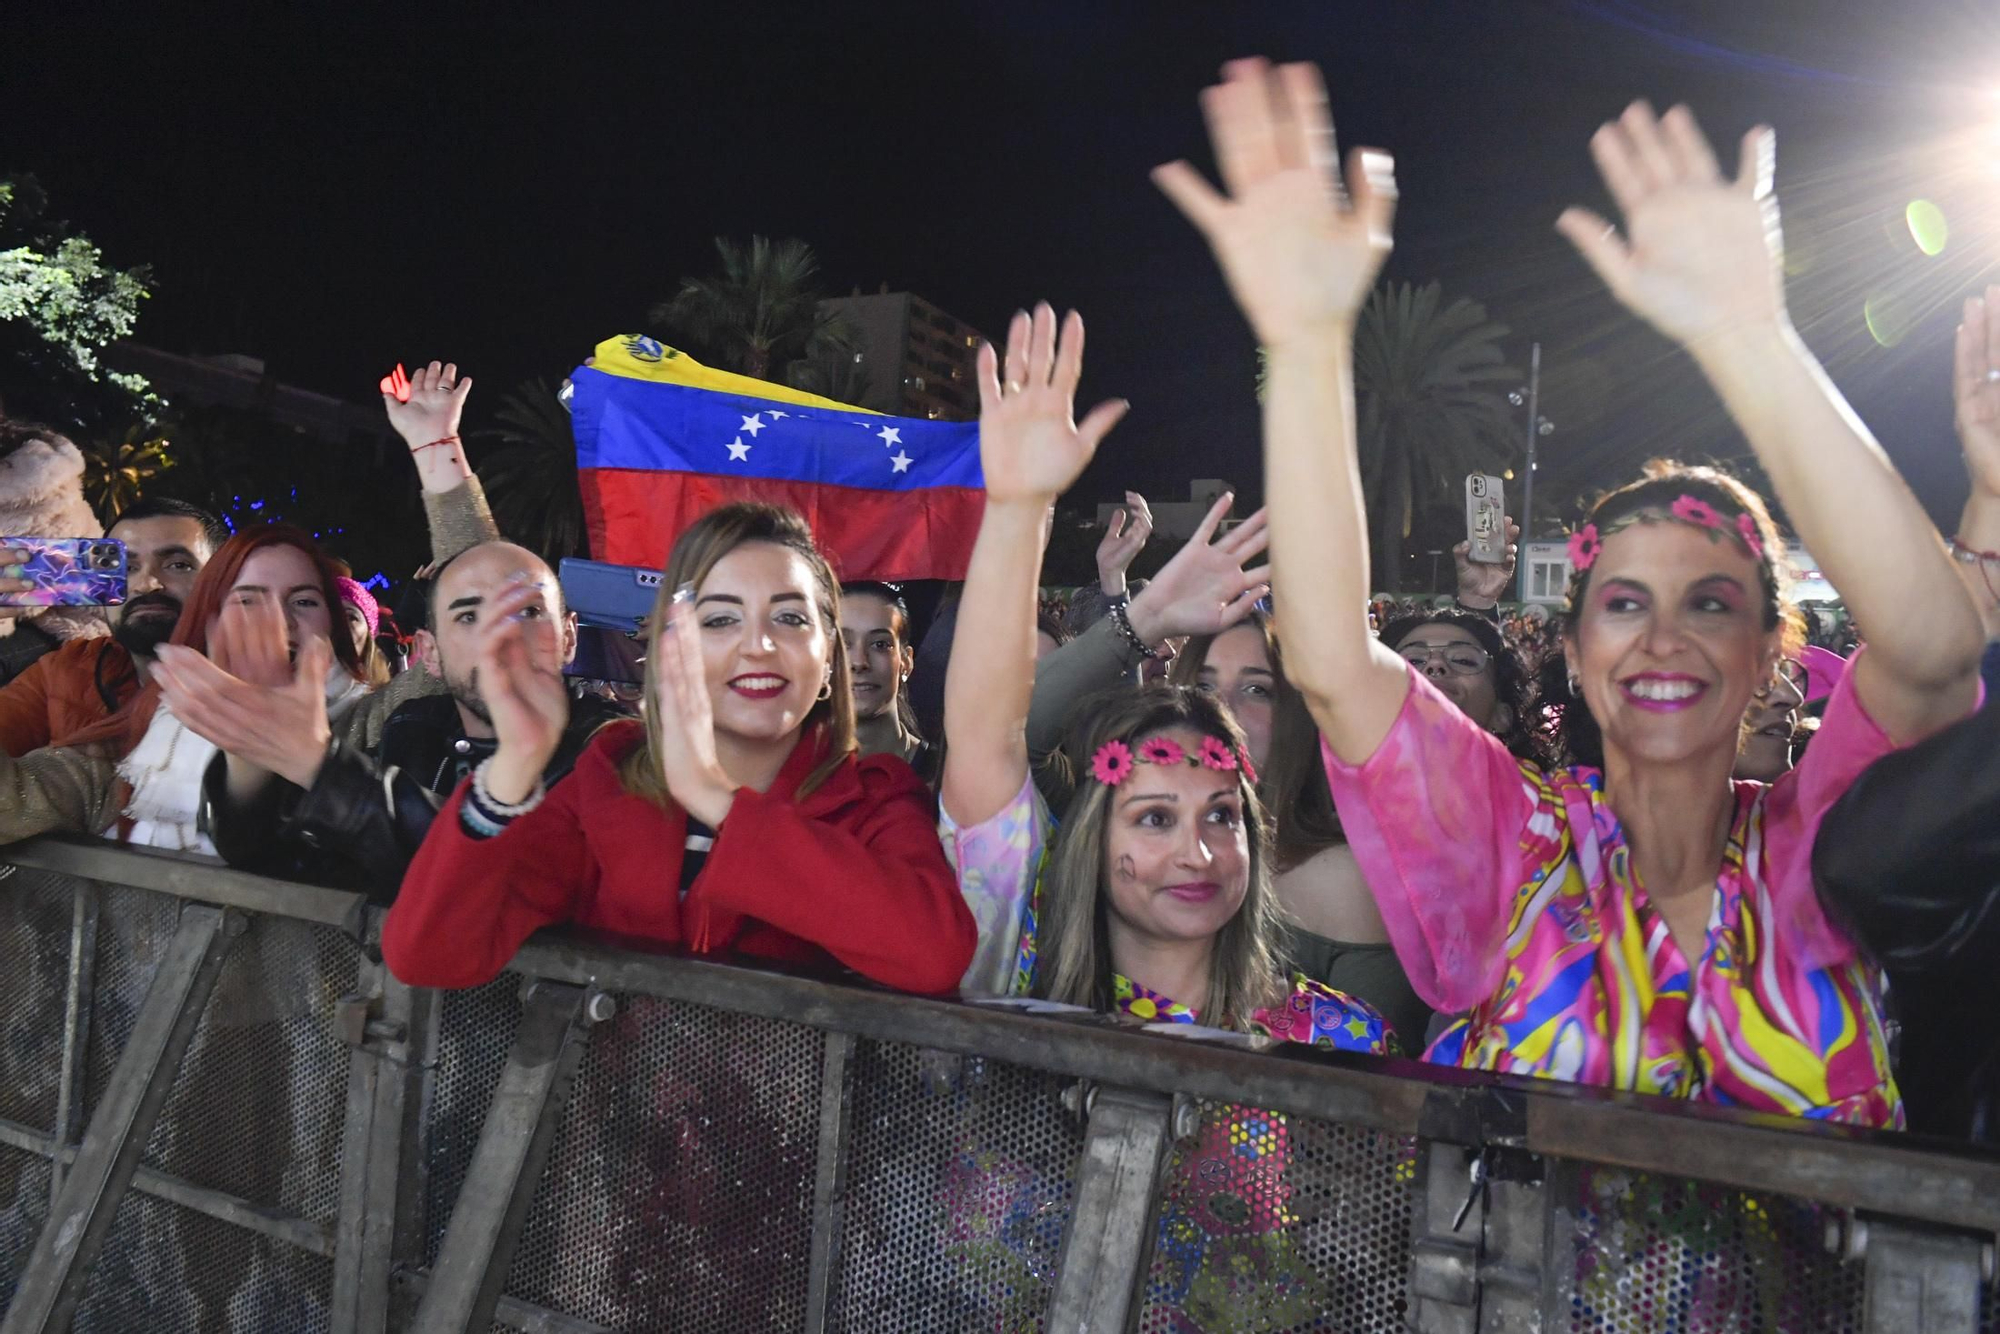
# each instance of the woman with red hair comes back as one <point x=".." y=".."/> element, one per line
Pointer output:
<point x="265" y="609"/>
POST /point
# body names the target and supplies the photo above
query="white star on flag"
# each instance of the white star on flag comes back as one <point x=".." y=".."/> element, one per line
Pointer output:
<point x="738" y="451"/>
<point x="751" y="426"/>
<point x="891" y="435"/>
<point x="901" y="462"/>
<point x="776" y="415"/>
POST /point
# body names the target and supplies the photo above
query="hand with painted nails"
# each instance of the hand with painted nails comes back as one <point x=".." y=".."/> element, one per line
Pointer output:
<point x="425" y="407"/>
<point x="1031" y="448"/>
<point x="685" y="717"/>
<point x="1124" y="538"/>
<point x="1701" y="254"/>
<point x="1300" y="252"/>
<point x="521" y="685"/>
<point x="13" y="564"/>
<point x="1204" y="589"/>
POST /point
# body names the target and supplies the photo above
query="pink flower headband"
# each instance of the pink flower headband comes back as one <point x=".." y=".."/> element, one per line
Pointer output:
<point x="1114" y="760"/>
<point x="1586" y="543"/>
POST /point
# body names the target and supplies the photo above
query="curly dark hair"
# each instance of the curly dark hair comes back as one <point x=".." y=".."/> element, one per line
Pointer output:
<point x="1513" y="682"/>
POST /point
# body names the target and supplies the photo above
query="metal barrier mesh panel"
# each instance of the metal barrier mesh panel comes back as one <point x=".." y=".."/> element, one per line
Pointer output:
<point x="960" y="1176"/>
<point x="1661" y="1253"/>
<point x="1270" y="1223"/>
<point x="24" y="1204"/>
<point x="678" y="1193"/>
<point x="258" y="1105"/>
<point x="475" y="1030"/>
<point x="170" y="1270"/>
<point x="34" y="982"/>
<point x="133" y="928"/>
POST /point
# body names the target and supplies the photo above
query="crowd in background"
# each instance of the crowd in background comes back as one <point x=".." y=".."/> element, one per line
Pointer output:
<point x="1677" y="836"/>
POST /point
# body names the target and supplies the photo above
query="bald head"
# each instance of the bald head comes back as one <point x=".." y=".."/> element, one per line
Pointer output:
<point x="460" y="594"/>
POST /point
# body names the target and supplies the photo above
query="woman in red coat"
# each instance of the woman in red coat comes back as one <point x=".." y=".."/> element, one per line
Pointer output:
<point x="738" y="818"/>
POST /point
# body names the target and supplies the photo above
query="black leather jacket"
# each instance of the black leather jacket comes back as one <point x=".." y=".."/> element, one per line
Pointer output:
<point x="1909" y="863"/>
<point x="363" y="818"/>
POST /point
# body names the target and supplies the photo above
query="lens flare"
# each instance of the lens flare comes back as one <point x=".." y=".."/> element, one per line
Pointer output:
<point x="1888" y="318"/>
<point x="1927" y="226"/>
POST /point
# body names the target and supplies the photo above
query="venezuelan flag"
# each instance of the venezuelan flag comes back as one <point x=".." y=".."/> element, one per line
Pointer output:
<point x="662" y="439"/>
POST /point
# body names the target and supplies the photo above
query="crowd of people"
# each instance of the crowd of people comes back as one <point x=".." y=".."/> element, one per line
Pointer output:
<point x="1652" y="840"/>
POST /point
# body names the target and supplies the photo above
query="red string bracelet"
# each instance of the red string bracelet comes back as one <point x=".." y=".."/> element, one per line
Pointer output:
<point x="446" y="440"/>
<point x="1985" y="560"/>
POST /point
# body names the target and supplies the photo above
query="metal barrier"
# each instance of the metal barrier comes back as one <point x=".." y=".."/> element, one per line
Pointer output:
<point x="217" y="1112"/>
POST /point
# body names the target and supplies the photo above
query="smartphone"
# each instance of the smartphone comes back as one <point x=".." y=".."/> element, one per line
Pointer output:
<point x="1486" y="518"/>
<point x="609" y="597"/>
<point x="69" y="572"/>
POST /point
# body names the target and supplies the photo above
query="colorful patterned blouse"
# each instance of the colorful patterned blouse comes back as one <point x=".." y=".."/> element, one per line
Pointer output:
<point x="1510" y="895"/>
<point x="999" y="865"/>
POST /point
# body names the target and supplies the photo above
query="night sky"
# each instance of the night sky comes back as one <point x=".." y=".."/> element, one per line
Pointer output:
<point x="335" y="193"/>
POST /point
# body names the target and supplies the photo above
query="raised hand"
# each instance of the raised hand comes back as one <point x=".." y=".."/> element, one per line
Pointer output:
<point x="1702" y="253"/>
<point x="685" y="719"/>
<point x="1975" y="390"/>
<point x="1124" y="538"/>
<point x="1300" y="253"/>
<point x="425" y="407"/>
<point x="248" y="697"/>
<point x="520" y="681"/>
<point x="1204" y="589"/>
<point x="1030" y="446"/>
<point x="1480" y="583"/>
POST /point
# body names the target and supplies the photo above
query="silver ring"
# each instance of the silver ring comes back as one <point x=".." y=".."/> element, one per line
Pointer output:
<point x="1014" y="386"/>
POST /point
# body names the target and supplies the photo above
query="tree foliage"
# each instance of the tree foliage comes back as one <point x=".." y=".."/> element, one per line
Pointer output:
<point x="1430" y="385"/>
<point x="530" y="478"/>
<point x="61" y="305"/>
<point x="760" y="314"/>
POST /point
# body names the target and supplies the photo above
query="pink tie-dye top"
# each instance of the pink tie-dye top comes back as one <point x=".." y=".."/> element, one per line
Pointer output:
<point x="1509" y="895"/>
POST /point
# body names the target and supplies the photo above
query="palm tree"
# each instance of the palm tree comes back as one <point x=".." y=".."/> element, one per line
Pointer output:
<point x="761" y="313"/>
<point x="1431" y="406"/>
<point x="531" y="479"/>
<point x="115" y="472"/>
<point x="838" y="373"/>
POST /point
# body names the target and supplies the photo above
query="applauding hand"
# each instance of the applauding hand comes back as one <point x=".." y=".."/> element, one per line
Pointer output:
<point x="1702" y="254"/>
<point x="520" y="681"/>
<point x="1030" y="447"/>
<point x="248" y="698"/>
<point x="1204" y="589"/>
<point x="1300" y="253"/>
<point x="685" y="716"/>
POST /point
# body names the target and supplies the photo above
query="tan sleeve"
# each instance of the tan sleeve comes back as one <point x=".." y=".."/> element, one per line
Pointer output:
<point x="459" y="518"/>
<point x="56" y="790"/>
<point x="363" y="724"/>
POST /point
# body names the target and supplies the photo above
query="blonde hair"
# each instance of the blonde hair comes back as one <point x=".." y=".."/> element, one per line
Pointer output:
<point x="1073" y="961"/>
<point x="695" y="555"/>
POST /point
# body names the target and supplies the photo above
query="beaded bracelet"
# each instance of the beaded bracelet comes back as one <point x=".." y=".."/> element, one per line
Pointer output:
<point x="1120" y="613"/>
<point x="483" y="816"/>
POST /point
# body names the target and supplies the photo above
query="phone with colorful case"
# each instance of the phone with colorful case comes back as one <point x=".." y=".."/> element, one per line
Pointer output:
<point x="1485" y="518"/>
<point x="68" y="572"/>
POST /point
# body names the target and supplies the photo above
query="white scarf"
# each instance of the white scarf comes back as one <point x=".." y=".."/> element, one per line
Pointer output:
<point x="165" y="771"/>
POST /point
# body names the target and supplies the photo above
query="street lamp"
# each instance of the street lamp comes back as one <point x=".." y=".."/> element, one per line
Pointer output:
<point x="1538" y="426"/>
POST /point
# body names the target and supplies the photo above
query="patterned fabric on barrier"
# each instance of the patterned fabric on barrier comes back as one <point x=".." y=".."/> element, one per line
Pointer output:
<point x="1662" y="1255"/>
<point x="1277" y="1223"/>
<point x="960" y="1178"/>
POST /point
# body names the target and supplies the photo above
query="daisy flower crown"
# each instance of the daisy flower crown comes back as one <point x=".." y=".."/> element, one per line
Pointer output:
<point x="1587" y="542"/>
<point x="1114" y="761"/>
